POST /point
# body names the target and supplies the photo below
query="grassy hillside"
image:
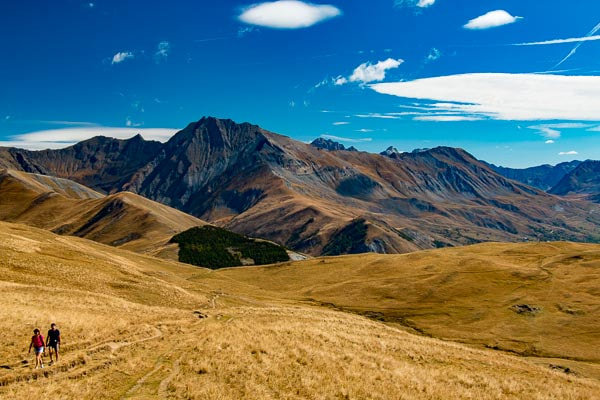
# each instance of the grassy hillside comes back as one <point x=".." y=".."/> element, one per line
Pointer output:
<point x="130" y="331"/>
<point x="539" y="299"/>
<point x="214" y="248"/>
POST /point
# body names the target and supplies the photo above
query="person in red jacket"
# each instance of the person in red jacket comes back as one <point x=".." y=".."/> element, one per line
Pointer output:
<point x="37" y="342"/>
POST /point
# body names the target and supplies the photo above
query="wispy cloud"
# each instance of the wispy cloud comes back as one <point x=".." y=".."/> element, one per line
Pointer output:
<point x="369" y="72"/>
<point x="341" y="123"/>
<point x="549" y="141"/>
<point x="344" y="139"/>
<point x="491" y="19"/>
<point x="288" y="14"/>
<point x="574" y="49"/>
<point x="414" y="3"/>
<point x="568" y="153"/>
<point x="162" y="51"/>
<point x="446" y="118"/>
<point x="551" y="131"/>
<point x="121" y="56"/>
<point x="560" y="41"/>
<point x="524" y="97"/>
<point x="60" y="138"/>
<point x="67" y="123"/>
<point x="434" y="55"/>
<point x="245" y="30"/>
<point x="378" y="116"/>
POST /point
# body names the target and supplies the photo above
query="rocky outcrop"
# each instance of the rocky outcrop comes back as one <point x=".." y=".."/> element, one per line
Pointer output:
<point x="328" y="144"/>
<point x="391" y="152"/>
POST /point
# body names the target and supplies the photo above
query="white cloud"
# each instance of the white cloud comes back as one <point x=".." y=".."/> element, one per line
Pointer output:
<point x="414" y="3"/>
<point x="344" y="139"/>
<point x="341" y="123"/>
<point x="568" y="153"/>
<point x="446" y="118"/>
<point x="130" y="123"/>
<point x="340" y="80"/>
<point x="378" y="116"/>
<point x="288" y="14"/>
<point x="524" y="97"/>
<point x="364" y="130"/>
<point x="491" y="19"/>
<point x="434" y="54"/>
<point x="60" y="138"/>
<point x="549" y="141"/>
<point x="551" y="131"/>
<point x="368" y="72"/>
<point x="560" y="41"/>
<point x="162" y="51"/>
<point x="122" y="56"/>
<point x="425" y="3"/>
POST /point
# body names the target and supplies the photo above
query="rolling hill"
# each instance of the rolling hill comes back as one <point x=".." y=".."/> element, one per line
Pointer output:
<point x="131" y="329"/>
<point x="536" y="299"/>
<point x="261" y="184"/>
<point x="123" y="219"/>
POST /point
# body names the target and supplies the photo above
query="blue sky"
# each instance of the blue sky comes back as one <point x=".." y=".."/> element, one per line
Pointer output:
<point x="406" y="73"/>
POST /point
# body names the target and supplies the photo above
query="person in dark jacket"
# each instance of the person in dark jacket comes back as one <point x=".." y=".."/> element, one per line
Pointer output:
<point x="53" y="341"/>
<point x="37" y="342"/>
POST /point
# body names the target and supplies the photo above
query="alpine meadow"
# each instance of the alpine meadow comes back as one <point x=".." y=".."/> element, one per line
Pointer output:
<point x="292" y="199"/>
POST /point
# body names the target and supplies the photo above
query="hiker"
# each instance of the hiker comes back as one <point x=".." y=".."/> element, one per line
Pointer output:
<point x="53" y="341"/>
<point x="37" y="342"/>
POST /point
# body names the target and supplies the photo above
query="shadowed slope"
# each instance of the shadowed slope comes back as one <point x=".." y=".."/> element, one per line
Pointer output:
<point x="584" y="180"/>
<point x="543" y="177"/>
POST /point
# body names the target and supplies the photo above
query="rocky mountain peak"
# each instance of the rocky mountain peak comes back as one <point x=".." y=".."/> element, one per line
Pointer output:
<point x="391" y="152"/>
<point x="327" y="144"/>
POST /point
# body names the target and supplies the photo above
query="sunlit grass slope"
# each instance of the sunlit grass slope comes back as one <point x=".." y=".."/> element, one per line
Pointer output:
<point x="476" y="294"/>
<point x="130" y="331"/>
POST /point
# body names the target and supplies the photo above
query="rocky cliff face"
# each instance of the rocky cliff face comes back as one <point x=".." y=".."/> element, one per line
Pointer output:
<point x="261" y="184"/>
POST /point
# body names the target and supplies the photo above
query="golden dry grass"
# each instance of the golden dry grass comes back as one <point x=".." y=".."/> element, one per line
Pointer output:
<point x="130" y="332"/>
<point x="462" y="294"/>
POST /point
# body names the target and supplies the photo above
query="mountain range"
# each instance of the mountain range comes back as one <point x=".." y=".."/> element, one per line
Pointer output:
<point x="565" y="179"/>
<point x="543" y="177"/>
<point x="318" y="199"/>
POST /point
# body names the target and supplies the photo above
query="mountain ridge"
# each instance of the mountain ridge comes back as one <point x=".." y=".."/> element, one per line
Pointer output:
<point x="262" y="184"/>
<point x="544" y="177"/>
<point x="583" y="180"/>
